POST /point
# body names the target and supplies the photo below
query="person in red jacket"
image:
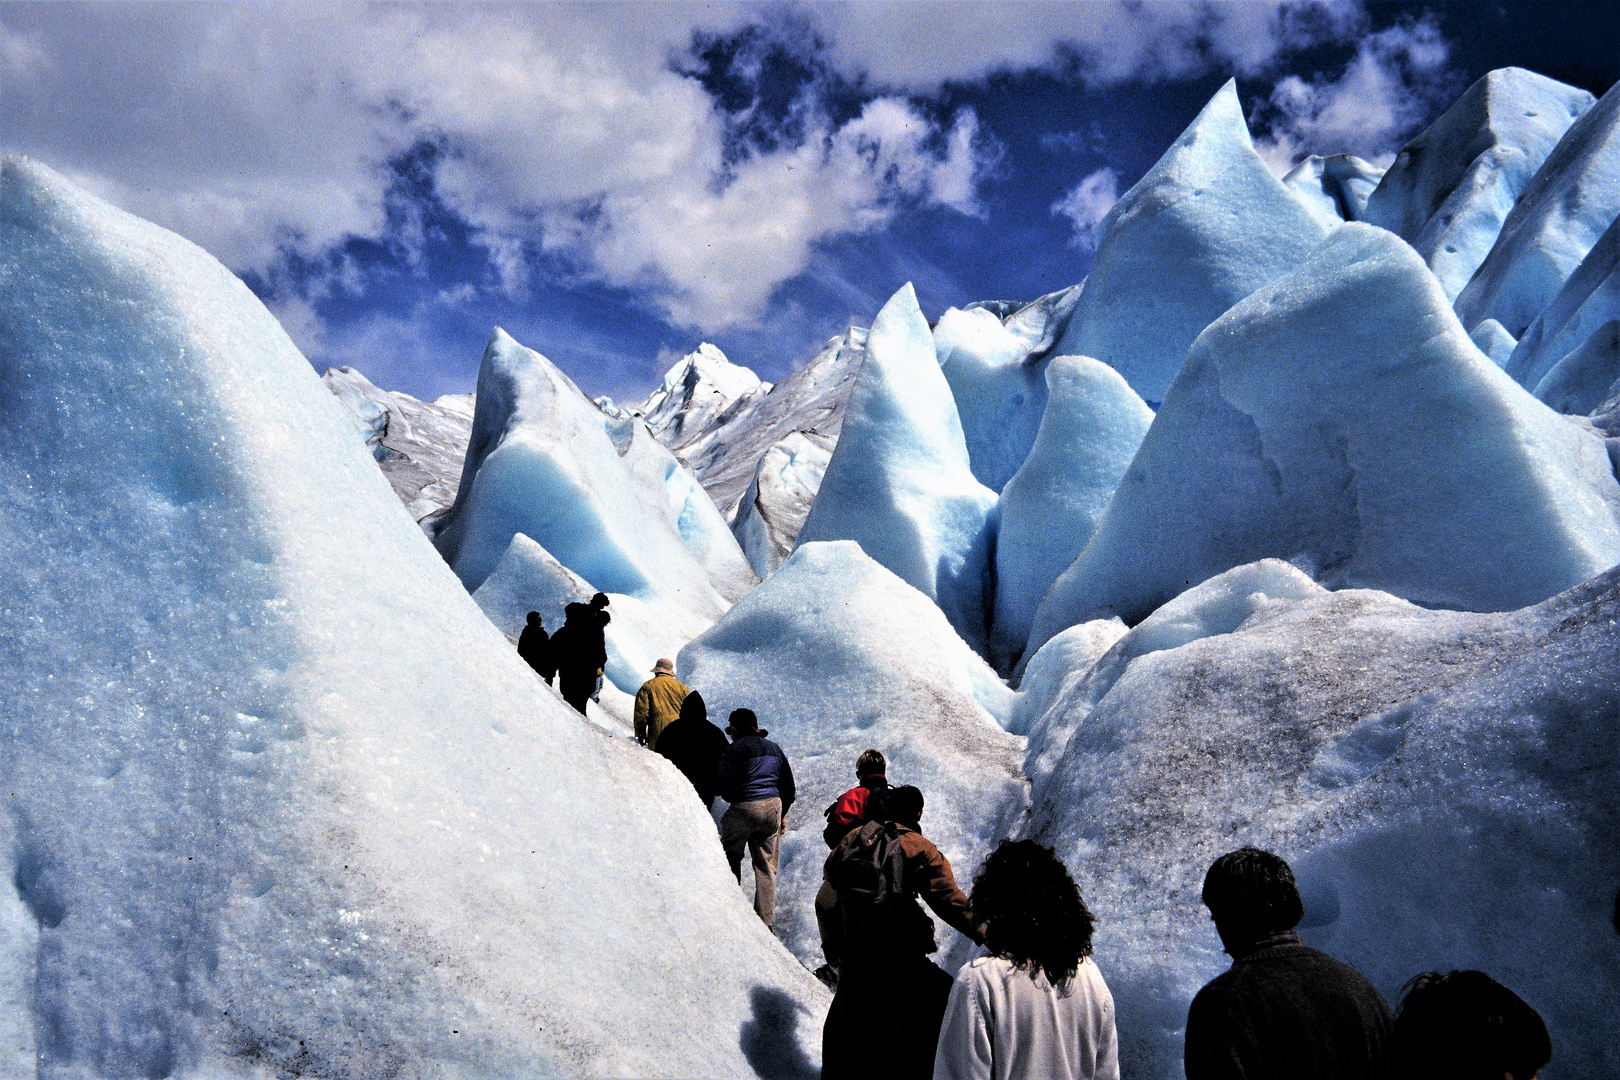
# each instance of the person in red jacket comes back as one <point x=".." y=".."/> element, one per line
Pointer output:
<point x="864" y="800"/>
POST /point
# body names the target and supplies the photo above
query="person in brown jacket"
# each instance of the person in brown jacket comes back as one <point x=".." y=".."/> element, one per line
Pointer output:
<point x="658" y="703"/>
<point x="885" y="1017"/>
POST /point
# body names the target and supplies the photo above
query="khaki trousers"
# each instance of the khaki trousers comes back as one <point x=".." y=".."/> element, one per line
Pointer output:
<point x="757" y="826"/>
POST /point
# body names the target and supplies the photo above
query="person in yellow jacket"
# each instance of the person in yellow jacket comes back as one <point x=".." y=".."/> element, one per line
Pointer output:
<point x="658" y="703"/>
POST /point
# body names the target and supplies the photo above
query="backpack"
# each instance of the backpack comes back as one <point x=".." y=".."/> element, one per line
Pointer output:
<point x="869" y="868"/>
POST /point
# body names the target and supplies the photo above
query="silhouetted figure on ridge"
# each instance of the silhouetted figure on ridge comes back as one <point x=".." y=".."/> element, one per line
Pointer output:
<point x="580" y="653"/>
<point x="534" y="645"/>
<point x="694" y="745"/>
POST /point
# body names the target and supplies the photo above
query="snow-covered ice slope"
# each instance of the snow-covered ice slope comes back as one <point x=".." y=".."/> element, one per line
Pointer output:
<point x="1090" y="430"/>
<point x="1204" y="228"/>
<point x="996" y="368"/>
<point x="1590" y="298"/>
<point x="420" y="445"/>
<point x="541" y="463"/>
<point x="1217" y="606"/>
<point x="775" y="505"/>
<point x="1387" y="452"/>
<point x="1450" y="189"/>
<point x="1493" y="341"/>
<point x="1334" y="189"/>
<point x="667" y="487"/>
<point x="899" y="483"/>
<point x="280" y="800"/>
<point x="700" y="390"/>
<point x="1441" y="782"/>
<point x="1588" y="376"/>
<point x="726" y="456"/>
<point x="836" y="654"/>
<point x="1565" y="207"/>
<point x="1064" y="658"/>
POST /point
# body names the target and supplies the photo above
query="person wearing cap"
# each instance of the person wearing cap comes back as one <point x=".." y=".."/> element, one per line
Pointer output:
<point x="756" y="779"/>
<point x="658" y="703"/>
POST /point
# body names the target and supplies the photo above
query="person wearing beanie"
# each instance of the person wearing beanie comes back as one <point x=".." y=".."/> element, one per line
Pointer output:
<point x="658" y="703"/>
<point x="756" y="779"/>
<point x="694" y="746"/>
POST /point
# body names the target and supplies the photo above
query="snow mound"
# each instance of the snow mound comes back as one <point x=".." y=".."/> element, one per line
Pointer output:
<point x="420" y="445"/>
<point x="1565" y="207"/>
<point x="1493" y="341"/>
<point x="1091" y="428"/>
<point x="1441" y="783"/>
<point x="1068" y="656"/>
<point x="836" y="654"/>
<point x="1387" y="453"/>
<point x="541" y="463"/>
<point x="282" y="800"/>
<point x="726" y="456"/>
<point x="1334" y="189"/>
<point x="1451" y="188"/>
<point x="1217" y="606"/>
<point x="1590" y="298"/>
<point x="528" y="579"/>
<point x="1204" y="228"/>
<point x="697" y="391"/>
<point x="899" y="483"/>
<point x="777" y="501"/>
<point x="1584" y="379"/>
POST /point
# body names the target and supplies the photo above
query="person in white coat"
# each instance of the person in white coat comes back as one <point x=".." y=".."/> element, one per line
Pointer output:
<point x="1036" y="1007"/>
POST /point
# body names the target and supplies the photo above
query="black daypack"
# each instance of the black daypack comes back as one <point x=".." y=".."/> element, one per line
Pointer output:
<point x="869" y="868"/>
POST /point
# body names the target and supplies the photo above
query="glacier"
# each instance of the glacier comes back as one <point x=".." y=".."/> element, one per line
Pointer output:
<point x="1559" y="215"/>
<point x="281" y="799"/>
<point x="835" y="654"/>
<point x="1090" y="431"/>
<point x="778" y="499"/>
<point x="1441" y="783"/>
<point x="1206" y="226"/>
<point x="1334" y="189"/>
<point x="899" y="482"/>
<point x="1588" y="376"/>
<point x="1449" y="190"/>
<point x="1587" y="300"/>
<point x="1388" y="453"/>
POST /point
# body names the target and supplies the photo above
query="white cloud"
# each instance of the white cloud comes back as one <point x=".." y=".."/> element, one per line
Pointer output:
<point x="1385" y="92"/>
<point x="1087" y="205"/>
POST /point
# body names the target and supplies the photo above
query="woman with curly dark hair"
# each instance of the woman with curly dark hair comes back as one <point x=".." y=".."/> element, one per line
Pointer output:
<point x="1036" y="1006"/>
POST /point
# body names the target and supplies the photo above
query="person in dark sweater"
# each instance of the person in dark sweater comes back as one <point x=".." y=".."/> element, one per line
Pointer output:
<point x="694" y="745"/>
<point x="534" y="645"/>
<point x="580" y="653"/>
<point x="1467" y="1026"/>
<point x="1283" y="1011"/>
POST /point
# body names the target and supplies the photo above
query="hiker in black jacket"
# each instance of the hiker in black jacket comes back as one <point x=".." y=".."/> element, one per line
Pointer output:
<point x="1283" y="1011"/>
<point x="534" y="646"/>
<point x="694" y="746"/>
<point x="580" y="653"/>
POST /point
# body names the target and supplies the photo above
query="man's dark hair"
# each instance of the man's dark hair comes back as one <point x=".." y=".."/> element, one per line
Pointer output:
<point x="1253" y="893"/>
<point x="599" y="601"/>
<point x="1032" y="910"/>
<point x="743" y="720"/>
<point x="1467" y="1026"/>
<point x="905" y="805"/>
<point x="870" y="763"/>
<point x="534" y="618"/>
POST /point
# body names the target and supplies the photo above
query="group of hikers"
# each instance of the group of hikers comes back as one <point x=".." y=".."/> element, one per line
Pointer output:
<point x="1036" y="1005"/>
<point x="575" y="655"/>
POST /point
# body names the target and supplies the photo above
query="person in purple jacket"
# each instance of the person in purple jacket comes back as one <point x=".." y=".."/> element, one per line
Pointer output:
<point x="756" y="779"/>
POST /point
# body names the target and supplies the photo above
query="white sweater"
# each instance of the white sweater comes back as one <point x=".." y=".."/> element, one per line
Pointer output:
<point x="1001" y="1024"/>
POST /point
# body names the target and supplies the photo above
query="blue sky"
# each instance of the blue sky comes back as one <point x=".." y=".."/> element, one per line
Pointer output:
<point x="614" y="183"/>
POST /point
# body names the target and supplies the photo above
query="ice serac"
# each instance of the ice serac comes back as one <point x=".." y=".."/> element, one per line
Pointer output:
<point x="1387" y="453"/>
<point x="1493" y="341"/>
<point x="274" y="802"/>
<point x="1090" y="431"/>
<point x="420" y="445"/>
<point x="1204" y="228"/>
<point x="1589" y="299"/>
<point x="1432" y="777"/>
<point x="528" y="579"/>
<point x="1565" y="207"/>
<point x="726" y="456"/>
<point x="1334" y="189"/>
<point x="1449" y="190"/>
<point x="776" y="503"/>
<point x="996" y="367"/>
<point x="668" y="488"/>
<point x="835" y="654"/>
<point x="1064" y="658"/>
<point x="899" y="482"/>
<point x="541" y="463"/>
<point x="1217" y="606"/>
<point x="1588" y="376"/>
<point x="700" y="390"/>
